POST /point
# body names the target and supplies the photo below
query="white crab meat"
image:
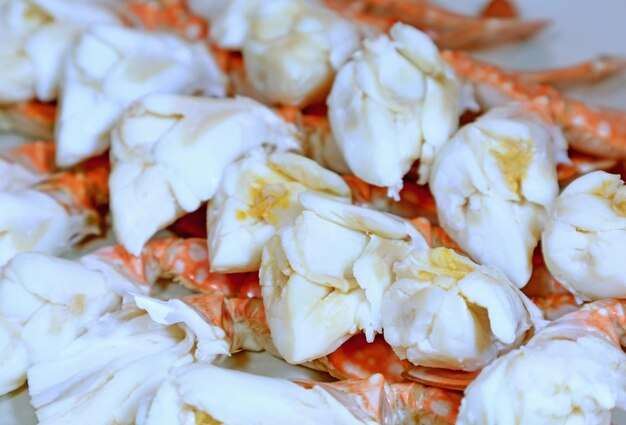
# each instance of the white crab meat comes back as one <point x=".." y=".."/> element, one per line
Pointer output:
<point x="585" y="233"/>
<point x="109" y="68"/>
<point x="394" y="102"/>
<point x="230" y="22"/>
<point x="447" y="311"/>
<point x="35" y="38"/>
<point x="552" y="380"/>
<point x="257" y="197"/>
<point x="207" y="394"/>
<point x="33" y="221"/>
<point x="495" y="182"/>
<point x="169" y="153"/>
<point x="323" y="276"/>
<point x="122" y="358"/>
<point x="45" y="304"/>
<point x="294" y="48"/>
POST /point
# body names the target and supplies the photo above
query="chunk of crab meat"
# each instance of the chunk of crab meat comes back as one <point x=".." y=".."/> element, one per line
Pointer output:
<point x="567" y="373"/>
<point x="323" y="276"/>
<point x="109" y="68"/>
<point x="45" y="304"/>
<point x="585" y="231"/>
<point x="188" y="397"/>
<point x="33" y="221"/>
<point x="168" y="156"/>
<point x="257" y="197"/>
<point x="448" y="312"/>
<point x="35" y="37"/>
<point x="394" y="102"/>
<point x="494" y="183"/>
<point x="122" y="358"/>
<point x="294" y="48"/>
<point x="230" y="24"/>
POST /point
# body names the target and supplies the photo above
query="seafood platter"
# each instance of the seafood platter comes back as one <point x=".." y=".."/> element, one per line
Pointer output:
<point x="312" y="212"/>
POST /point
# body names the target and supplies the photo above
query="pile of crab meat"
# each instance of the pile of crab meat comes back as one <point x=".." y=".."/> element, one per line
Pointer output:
<point x="324" y="181"/>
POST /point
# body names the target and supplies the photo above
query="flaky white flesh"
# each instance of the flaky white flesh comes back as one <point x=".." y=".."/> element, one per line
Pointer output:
<point x="586" y="235"/>
<point x="293" y="48"/>
<point x="230" y="22"/>
<point x="204" y="394"/>
<point x="395" y="101"/>
<point x="45" y="304"/>
<point x="324" y="275"/>
<point x="562" y="376"/>
<point x="257" y="197"/>
<point x="121" y="359"/>
<point x="109" y="68"/>
<point x="494" y="183"/>
<point x="33" y="221"/>
<point x="446" y="311"/>
<point x="35" y="37"/>
<point x="169" y="153"/>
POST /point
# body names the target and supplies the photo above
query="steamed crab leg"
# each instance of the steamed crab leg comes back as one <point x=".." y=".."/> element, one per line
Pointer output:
<point x="26" y="164"/>
<point x="597" y="131"/>
<point x="500" y="9"/>
<point x="448" y="29"/>
<point x="183" y="260"/>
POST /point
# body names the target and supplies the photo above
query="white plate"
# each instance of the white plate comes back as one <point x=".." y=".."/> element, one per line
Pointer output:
<point x="580" y="29"/>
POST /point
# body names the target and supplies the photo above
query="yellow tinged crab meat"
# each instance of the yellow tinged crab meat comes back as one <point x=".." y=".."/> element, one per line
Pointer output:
<point x="394" y="102"/>
<point x="168" y="156"/>
<point x="446" y="311"/>
<point x="257" y="197"/>
<point x="109" y="68"/>
<point x="323" y="276"/>
<point x="494" y="183"/>
<point x="585" y="231"/>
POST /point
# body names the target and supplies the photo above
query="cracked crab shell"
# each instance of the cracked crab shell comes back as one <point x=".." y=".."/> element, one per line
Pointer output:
<point x="585" y="233"/>
<point x="446" y="311"/>
<point x="109" y="68"/>
<point x="169" y="153"/>
<point x="494" y="183"/>
<point x="323" y="276"/>
<point x="395" y="101"/>
<point x="257" y="197"/>
<point x="294" y="48"/>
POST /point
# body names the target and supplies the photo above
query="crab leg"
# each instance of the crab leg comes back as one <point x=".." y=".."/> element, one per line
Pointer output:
<point x="448" y="29"/>
<point x="184" y="260"/>
<point x="500" y="9"/>
<point x="596" y="131"/>
<point x="586" y="72"/>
